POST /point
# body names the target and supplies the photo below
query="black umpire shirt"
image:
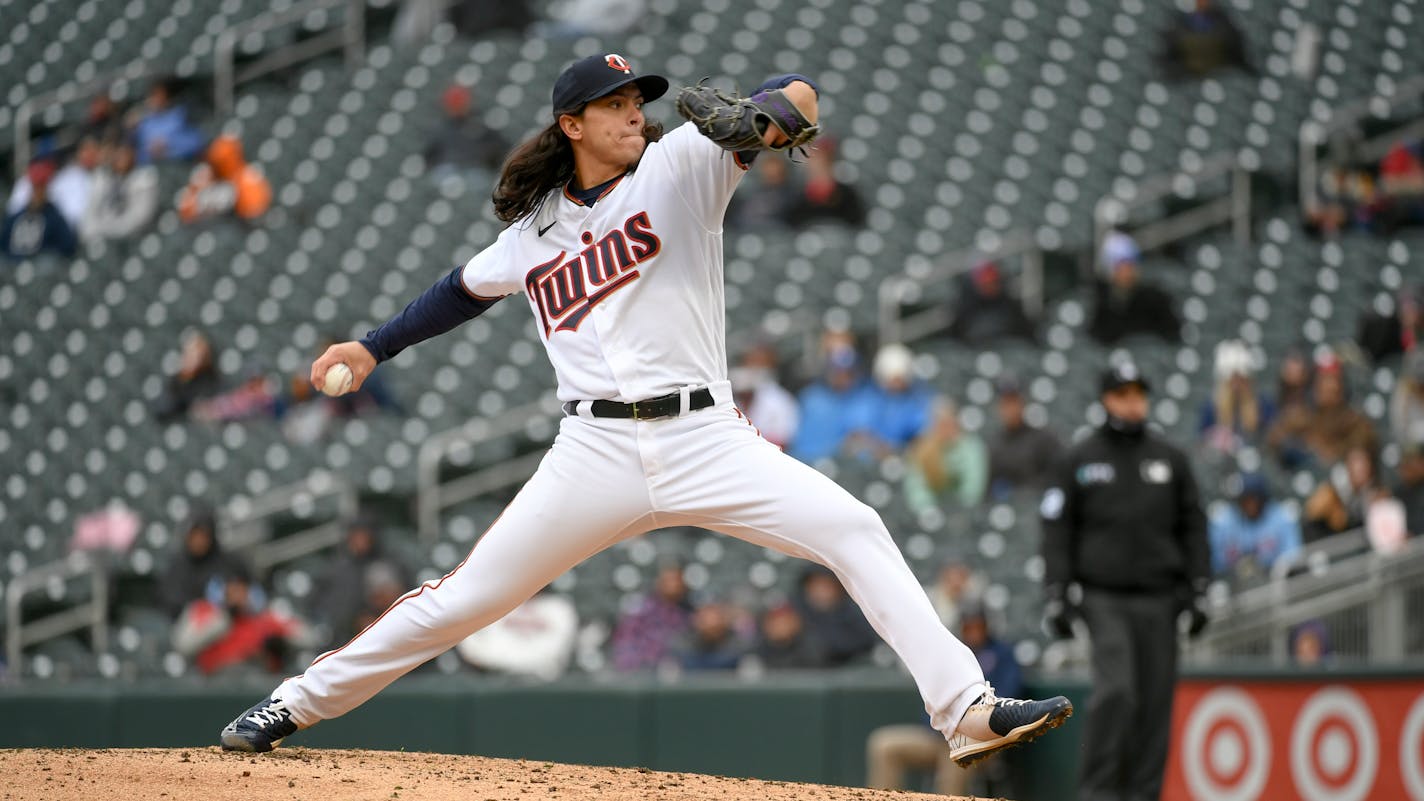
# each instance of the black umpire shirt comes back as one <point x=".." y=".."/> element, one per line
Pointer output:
<point x="1122" y="513"/>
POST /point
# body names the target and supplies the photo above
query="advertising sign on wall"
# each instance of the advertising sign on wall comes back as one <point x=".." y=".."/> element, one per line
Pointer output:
<point x="1327" y="740"/>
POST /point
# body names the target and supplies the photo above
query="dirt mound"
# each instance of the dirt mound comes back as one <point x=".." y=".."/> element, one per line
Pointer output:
<point x="153" y="774"/>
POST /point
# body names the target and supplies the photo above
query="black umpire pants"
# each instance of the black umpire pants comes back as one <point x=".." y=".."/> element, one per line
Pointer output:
<point x="1134" y="664"/>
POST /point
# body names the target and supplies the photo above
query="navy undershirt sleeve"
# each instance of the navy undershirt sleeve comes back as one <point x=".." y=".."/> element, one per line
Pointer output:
<point x="440" y="308"/>
<point x="746" y="157"/>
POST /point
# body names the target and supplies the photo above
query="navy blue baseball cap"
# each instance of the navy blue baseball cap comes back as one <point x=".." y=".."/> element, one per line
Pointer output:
<point x="1121" y="375"/>
<point x="593" y="77"/>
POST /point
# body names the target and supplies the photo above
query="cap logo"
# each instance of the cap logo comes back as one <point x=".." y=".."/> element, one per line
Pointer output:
<point x="619" y="63"/>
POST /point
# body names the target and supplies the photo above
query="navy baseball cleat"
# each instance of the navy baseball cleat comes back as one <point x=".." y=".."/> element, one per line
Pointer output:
<point x="261" y="728"/>
<point x="993" y="723"/>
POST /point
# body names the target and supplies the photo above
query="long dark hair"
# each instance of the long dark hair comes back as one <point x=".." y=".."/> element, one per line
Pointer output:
<point x="541" y="163"/>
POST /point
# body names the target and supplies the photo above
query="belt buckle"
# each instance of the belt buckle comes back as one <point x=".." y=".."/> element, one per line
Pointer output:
<point x="635" y="410"/>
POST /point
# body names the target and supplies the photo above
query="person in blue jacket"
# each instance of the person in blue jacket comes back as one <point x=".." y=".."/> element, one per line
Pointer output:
<point x="831" y="407"/>
<point x="164" y="132"/>
<point x="1250" y="535"/>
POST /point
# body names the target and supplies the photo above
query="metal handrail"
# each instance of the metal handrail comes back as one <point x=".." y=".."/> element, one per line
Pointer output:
<point x="239" y="520"/>
<point x="1113" y="210"/>
<point x="432" y="495"/>
<point x="93" y="615"/>
<point x="350" y="38"/>
<point x="1314" y="133"/>
<point x="67" y="93"/>
<point x="1339" y="573"/>
<point x="896" y="290"/>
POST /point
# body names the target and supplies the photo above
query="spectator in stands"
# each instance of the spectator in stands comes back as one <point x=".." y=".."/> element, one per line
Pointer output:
<point x="956" y="586"/>
<point x="1386" y="526"/>
<point x="825" y="198"/>
<point x="1348" y="199"/>
<point x="713" y="642"/>
<point x="1310" y="644"/>
<point x="384" y="585"/>
<point x="1401" y="185"/>
<point x="765" y="198"/>
<point x="782" y="642"/>
<point x="1341" y="501"/>
<point x="234" y="627"/>
<point x="1250" y="535"/>
<point x="831" y="408"/>
<point x="1354" y="495"/>
<point x="103" y="120"/>
<point x="125" y="196"/>
<point x="225" y="184"/>
<point x="1124" y="305"/>
<point x="254" y="397"/>
<point x="646" y="634"/>
<point x="1021" y="455"/>
<point x="1202" y="41"/>
<point x="199" y="560"/>
<point x="986" y="313"/>
<point x="537" y="639"/>
<point x="892" y="750"/>
<point x="1237" y="414"/>
<point x="767" y="404"/>
<point x="463" y="147"/>
<point x="1324" y="431"/>
<point x="481" y="18"/>
<point x="341" y="590"/>
<point x="70" y="189"/>
<point x="1406" y="407"/>
<point x="1333" y="206"/>
<point x="163" y="131"/>
<point x="608" y="19"/>
<point x="896" y="409"/>
<point x="946" y="465"/>
<point x="1410" y="489"/>
<point x="197" y="379"/>
<point x="833" y="620"/>
<point x="1294" y="380"/>
<point x="39" y="226"/>
<point x="306" y="415"/>
<point x="1400" y="330"/>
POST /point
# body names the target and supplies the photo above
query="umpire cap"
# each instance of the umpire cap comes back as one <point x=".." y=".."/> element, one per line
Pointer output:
<point x="595" y="76"/>
<point x="1121" y="375"/>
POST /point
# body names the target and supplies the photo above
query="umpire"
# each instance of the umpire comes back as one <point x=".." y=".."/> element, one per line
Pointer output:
<point x="1122" y="522"/>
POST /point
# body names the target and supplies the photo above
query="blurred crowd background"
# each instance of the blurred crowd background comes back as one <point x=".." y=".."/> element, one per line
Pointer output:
<point x="175" y="257"/>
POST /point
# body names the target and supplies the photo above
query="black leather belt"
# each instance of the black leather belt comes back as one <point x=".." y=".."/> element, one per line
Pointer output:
<point x="650" y="409"/>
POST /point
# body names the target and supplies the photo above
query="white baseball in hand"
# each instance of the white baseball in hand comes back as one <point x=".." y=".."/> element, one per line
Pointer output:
<point x="338" y="379"/>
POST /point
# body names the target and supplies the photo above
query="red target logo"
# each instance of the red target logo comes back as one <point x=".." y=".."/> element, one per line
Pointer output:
<point x="1226" y="753"/>
<point x="619" y="63"/>
<point x="1334" y="747"/>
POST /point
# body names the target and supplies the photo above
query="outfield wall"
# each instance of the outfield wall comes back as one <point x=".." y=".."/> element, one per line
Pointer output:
<point x="791" y="727"/>
<point x="1247" y="737"/>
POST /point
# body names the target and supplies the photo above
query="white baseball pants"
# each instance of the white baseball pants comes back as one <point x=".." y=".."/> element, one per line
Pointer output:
<point x="606" y="480"/>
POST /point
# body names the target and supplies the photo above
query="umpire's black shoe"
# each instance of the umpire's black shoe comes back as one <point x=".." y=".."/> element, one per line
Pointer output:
<point x="261" y="728"/>
<point x="995" y="723"/>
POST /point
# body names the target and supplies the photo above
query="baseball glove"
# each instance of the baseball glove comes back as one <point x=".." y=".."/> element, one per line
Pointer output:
<point x="738" y="123"/>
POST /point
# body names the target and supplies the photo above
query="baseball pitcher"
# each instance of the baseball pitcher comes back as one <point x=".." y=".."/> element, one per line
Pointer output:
<point x="614" y="239"/>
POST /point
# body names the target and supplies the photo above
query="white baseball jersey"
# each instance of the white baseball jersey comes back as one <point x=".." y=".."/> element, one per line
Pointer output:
<point x="624" y="316"/>
<point x="629" y="302"/>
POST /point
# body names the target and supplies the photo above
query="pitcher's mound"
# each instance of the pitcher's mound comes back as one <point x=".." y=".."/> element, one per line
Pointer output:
<point x="303" y="774"/>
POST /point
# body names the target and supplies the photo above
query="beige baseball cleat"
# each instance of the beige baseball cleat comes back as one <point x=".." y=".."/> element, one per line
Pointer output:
<point x="993" y="724"/>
